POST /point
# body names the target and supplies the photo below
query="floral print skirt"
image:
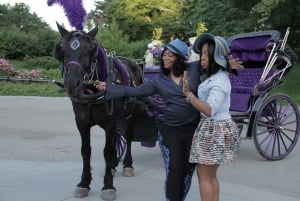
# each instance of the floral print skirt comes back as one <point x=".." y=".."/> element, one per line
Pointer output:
<point x="215" y="142"/>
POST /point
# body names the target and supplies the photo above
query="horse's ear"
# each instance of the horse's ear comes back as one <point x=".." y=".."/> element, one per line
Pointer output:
<point x="93" y="32"/>
<point x="61" y="30"/>
<point x="59" y="53"/>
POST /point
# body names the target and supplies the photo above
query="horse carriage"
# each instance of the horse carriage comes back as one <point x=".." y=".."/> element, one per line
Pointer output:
<point x="271" y="120"/>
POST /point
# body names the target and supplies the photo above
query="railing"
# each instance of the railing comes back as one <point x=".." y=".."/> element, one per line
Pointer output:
<point x="27" y="80"/>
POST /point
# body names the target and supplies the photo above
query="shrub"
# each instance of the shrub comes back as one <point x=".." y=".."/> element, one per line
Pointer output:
<point x="45" y="62"/>
<point x="8" y="69"/>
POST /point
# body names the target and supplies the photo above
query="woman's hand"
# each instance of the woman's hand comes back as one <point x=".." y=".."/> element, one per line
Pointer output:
<point x="100" y="85"/>
<point x="185" y="88"/>
<point x="235" y="63"/>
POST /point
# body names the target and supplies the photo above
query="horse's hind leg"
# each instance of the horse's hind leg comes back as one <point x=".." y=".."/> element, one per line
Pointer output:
<point x="83" y="187"/>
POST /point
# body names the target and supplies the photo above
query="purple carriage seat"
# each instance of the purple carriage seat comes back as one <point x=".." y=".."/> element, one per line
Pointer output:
<point x="151" y="71"/>
<point x="253" y="49"/>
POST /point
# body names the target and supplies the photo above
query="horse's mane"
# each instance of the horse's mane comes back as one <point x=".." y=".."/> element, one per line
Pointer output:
<point x="74" y="11"/>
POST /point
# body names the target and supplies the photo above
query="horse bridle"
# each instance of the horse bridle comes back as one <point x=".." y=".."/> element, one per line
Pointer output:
<point x="87" y="77"/>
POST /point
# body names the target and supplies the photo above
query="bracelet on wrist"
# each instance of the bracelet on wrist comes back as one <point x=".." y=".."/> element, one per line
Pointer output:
<point x="189" y="97"/>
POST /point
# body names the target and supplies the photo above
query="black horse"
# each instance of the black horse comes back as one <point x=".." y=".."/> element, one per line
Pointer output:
<point x="84" y="61"/>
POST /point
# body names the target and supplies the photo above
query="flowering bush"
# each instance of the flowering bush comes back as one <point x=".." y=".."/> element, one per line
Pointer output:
<point x="8" y="69"/>
<point x="153" y="53"/>
<point x="155" y="47"/>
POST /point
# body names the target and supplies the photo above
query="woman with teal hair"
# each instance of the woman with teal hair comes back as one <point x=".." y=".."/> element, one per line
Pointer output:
<point x="216" y="140"/>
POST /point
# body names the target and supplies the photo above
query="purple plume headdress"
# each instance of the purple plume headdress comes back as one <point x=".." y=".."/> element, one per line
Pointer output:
<point x="74" y="11"/>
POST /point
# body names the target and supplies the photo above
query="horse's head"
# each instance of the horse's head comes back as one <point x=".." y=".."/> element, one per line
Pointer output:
<point x="78" y="54"/>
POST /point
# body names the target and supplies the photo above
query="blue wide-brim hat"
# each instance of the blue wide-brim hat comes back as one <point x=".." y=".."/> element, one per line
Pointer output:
<point x="221" y="48"/>
<point x="178" y="47"/>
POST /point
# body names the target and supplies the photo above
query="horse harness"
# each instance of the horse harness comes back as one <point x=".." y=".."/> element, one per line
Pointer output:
<point x="108" y="64"/>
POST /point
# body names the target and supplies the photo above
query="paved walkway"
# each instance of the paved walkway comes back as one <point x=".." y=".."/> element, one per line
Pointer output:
<point x="40" y="161"/>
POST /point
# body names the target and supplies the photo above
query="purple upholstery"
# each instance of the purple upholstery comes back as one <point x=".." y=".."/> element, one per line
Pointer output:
<point x="246" y="79"/>
<point x="239" y="102"/>
<point x="151" y="71"/>
<point x="253" y="49"/>
<point x="242" y="86"/>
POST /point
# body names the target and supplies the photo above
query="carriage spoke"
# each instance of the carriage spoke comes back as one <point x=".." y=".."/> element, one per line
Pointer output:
<point x="274" y="144"/>
<point x="286" y="136"/>
<point x="276" y="128"/>
<point x="271" y="139"/>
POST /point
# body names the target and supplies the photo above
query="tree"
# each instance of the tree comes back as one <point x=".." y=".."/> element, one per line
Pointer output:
<point x="138" y="18"/>
<point x="24" y="34"/>
<point x="280" y="14"/>
<point x="221" y="17"/>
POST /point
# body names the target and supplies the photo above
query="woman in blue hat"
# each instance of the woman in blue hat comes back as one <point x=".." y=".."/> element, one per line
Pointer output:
<point x="180" y="118"/>
<point x="216" y="140"/>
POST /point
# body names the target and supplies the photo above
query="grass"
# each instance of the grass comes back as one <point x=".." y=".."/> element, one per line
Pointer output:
<point x="291" y="87"/>
<point x="30" y="89"/>
<point x="26" y="88"/>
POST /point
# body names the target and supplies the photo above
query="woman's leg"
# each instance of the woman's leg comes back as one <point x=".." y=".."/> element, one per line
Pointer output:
<point x="208" y="182"/>
<point x="189" y="167"/>
<point x="172" y="148"/>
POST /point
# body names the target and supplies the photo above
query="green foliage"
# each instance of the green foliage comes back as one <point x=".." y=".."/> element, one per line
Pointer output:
<point x="52" y="73"/>
<point x="138" y="48"/>
<point x="24" y="34"/>
<point x="127" y="26"/>
<point x="45" y="62"/>
<point x="138" y="18"/>
<point x="113" y="40"/>
<point x="292" y="85"/>
<point x="286" y="14"/>
<point x="220" y="17"/>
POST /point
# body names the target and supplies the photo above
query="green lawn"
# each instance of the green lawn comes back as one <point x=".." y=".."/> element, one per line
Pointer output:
<point x="291" y="87"/>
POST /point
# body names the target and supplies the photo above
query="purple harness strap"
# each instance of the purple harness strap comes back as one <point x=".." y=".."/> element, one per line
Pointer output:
<point x="102" y="63"/>
<point x="119" y="66"/>
<point x="77" y="64"/>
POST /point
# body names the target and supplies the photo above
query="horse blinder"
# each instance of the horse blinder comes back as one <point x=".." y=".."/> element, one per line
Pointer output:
<point x="59" y="53"/>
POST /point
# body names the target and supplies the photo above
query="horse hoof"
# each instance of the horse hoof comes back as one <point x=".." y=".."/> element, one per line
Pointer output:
<point x="128" y="172"/>
<point x="108" y="194"/>
<point x="81" y="192"/>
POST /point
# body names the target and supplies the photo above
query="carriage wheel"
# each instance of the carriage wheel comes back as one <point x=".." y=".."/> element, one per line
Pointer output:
<point x="120" y="143"/>
<point x="276" y="127"/>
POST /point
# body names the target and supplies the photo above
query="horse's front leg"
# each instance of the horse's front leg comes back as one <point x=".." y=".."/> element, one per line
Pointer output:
<point x="83" y="187"/>
<point x="110" y="156"/>
<point x="128" y="170"/>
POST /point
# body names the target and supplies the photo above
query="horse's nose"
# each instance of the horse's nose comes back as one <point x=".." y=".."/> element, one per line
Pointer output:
<point x="73" y="86"/>
<point x="72" y="83"/>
